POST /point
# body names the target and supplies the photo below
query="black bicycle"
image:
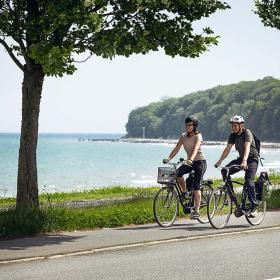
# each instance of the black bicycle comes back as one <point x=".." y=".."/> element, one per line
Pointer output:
<point x="223" y="202"/>
<point x="167" y="199"/>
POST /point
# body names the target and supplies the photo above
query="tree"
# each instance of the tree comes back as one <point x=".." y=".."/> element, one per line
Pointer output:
<point x="269" y="12"/>
<point x="43" y="37"/>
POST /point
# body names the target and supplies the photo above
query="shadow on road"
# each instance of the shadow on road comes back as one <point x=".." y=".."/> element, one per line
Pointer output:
<point x="24" y="243"/>
<point x="188" y="226"/>
<point x="198" y="227"/>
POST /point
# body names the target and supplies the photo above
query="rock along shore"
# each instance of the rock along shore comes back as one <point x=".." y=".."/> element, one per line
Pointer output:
<point x="168" y="141"/>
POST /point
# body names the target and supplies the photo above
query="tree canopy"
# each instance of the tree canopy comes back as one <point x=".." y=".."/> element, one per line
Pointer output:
<point x="269" y="12"/>
<point x="53" y="33"/>
<point x="258" y="101"/>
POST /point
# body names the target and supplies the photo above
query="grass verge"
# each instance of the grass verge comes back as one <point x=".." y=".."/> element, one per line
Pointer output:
<point x="50" y="218"/>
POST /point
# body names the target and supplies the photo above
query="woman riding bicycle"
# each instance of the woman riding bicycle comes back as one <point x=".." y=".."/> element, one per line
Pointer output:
<point x="248" y="156"/>
<point x="191" y="140"/>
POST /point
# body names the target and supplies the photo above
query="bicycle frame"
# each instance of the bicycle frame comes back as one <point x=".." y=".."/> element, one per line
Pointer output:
<point x="229" y="188"/>
<point x="179" y="192"/>
<point x="178" y="188"/>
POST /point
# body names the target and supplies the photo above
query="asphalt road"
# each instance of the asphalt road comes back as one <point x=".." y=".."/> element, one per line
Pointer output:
<point x="252" y="255"/>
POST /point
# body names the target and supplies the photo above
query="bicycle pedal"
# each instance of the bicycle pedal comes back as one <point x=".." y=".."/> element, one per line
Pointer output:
<point x="187" y="210"/>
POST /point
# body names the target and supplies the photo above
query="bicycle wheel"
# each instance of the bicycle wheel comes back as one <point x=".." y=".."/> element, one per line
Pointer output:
<point x="166" y="206"/>
<point x="261" y="209"/>
<point x="206" y="191"/>
<point x="219" y="208"/>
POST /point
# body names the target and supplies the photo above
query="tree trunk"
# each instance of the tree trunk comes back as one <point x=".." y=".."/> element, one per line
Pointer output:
<point x="27" y="183"/>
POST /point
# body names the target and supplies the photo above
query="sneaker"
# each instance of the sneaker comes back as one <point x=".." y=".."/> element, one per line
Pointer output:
<point x="238" y="212"/>
<point x="194" y="215"/>
<point x="253" y="213"/>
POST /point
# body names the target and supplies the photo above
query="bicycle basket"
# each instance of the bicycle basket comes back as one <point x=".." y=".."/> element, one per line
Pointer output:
<point x="166" y="175"/>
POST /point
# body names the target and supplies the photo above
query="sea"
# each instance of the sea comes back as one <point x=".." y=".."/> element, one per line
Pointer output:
<point x="66" y="164"/>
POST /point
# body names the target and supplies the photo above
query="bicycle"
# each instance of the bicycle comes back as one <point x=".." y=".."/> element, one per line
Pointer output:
<point x="167" y="199"/>
<point x="221" y="202"/>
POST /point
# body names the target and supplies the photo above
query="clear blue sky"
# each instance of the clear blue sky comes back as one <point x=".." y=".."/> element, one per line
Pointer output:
<point x="101" y="94"/>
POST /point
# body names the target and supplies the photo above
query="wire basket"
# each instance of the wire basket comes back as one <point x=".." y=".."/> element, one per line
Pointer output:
<point x="166" y="175"/>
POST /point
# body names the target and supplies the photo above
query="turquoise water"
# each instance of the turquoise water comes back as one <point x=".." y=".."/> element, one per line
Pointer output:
<point x="66" y="164"/>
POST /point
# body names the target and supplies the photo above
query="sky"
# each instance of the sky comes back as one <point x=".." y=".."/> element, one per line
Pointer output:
<point x="100" y="95"/>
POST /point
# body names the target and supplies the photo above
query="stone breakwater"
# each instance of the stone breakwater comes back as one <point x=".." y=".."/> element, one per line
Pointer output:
<point x="168" y="141"/>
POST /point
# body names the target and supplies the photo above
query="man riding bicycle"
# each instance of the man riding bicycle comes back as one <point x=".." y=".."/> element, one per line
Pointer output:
<point x="191" y="140"/>
<point x="248" y="158"/>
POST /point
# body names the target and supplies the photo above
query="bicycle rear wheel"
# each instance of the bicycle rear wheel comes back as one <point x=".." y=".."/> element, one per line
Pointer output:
<point x="259" y="216"/>
<point x="166" y="206"/>
<point x="219" y="208"/>
<point x="206" y="191"/>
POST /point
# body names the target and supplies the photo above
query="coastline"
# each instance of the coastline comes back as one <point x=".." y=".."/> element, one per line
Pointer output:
<point x="170" y="141"/>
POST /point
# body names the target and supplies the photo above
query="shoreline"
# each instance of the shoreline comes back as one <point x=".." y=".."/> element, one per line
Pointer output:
<point x="169" y="141"/>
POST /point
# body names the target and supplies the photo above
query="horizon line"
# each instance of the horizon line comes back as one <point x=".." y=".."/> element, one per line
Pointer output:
<point x="74" y="132"/>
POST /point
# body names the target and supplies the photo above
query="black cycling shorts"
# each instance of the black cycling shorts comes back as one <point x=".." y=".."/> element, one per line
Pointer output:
<point x="199" y="167"/>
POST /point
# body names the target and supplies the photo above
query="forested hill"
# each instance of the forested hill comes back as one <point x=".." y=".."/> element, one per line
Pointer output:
<point x="258" y="101"/>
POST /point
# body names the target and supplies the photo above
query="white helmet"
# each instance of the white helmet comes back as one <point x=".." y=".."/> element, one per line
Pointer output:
<point x="237" y="119"/>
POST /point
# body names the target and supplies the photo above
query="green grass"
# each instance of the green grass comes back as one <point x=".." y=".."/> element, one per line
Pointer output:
<point x="94" y="194"/>
<point x="50" y="218"/>
<point x="53" y="219"/>
<point x="274" y="201"/>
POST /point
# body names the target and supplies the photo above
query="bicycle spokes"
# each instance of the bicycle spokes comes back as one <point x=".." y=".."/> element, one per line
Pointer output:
<point x="219" y="208"/>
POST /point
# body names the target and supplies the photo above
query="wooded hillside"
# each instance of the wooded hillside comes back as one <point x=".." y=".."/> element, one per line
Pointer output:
<point x="258" y="101"/>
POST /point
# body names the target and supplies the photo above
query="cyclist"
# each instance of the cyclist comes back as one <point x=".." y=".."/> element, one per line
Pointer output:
<point x="248" y="158"/>
<point x="191" y="140"/>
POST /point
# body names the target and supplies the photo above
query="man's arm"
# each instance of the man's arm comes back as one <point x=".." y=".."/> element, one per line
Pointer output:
<point x="246" y="154"/>
<point x="247" y="146"/>
<point x="224" y="154"/>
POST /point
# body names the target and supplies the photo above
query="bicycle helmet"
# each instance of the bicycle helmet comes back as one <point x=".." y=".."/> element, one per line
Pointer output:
<point x="193" y="119"/>
<point x="237" y="119"/>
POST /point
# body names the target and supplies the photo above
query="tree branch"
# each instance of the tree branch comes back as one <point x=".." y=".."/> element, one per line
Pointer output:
<point x="96" y="8"/>
<point x="10" y="52"/>
<point x="10" y="8"/>
<point x="81" y="61"/>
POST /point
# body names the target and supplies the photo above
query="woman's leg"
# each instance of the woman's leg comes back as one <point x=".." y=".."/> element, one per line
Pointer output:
<point x="182" y="184"/>
<point x="183" y="169"/>
<point x="199" y="169"/>
<point x="197" y="199"/>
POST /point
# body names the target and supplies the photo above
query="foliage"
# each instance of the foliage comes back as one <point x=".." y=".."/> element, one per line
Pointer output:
<point x="257" y="101"/>
<point x="53" y="219"/>
<point x="269" y="12"/>
<point x="53" y="33"/>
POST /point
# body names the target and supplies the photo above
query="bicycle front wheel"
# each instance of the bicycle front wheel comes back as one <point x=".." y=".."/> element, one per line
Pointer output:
<point x="219" y="208"/>
<point x="259" y="214"/>
<point x="206" y="191"/>
<point x="166" y="206"/>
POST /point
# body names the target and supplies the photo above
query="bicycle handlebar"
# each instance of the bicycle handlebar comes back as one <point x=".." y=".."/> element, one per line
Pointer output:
<point x="181" y="161"/>
<point x="229" y="167"/>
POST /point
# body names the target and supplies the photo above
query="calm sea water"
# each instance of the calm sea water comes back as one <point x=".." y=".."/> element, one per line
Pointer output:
<point x="67" y="164"/>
